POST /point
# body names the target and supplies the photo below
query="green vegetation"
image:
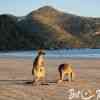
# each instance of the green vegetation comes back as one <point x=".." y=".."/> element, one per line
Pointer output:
<point x="48" y="28"/>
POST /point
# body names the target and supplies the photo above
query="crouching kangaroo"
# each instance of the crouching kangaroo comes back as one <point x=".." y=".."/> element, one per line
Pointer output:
<point x="65" y="69"/>
<point x="38" y="70"/>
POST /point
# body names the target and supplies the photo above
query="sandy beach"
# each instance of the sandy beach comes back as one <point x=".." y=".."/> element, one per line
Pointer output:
<point x="16" y="78"/>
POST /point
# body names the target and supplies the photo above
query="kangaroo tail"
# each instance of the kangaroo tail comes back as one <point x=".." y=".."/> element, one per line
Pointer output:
<point x="32" y="71"/>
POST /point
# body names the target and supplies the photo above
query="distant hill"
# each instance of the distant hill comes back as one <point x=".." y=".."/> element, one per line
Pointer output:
<point x="48" y="28"/>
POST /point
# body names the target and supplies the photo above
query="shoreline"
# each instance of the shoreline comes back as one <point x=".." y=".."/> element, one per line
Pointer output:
<point x="49" y="58"/>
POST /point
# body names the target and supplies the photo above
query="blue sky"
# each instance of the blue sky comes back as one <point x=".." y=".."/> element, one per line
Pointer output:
<point x="78" y="7"/>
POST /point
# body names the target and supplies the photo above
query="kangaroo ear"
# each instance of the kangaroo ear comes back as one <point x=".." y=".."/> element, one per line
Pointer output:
<point x="41" y="51"/>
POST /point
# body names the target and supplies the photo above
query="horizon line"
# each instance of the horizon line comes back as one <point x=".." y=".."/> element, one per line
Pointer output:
<point x="56" y="8"/>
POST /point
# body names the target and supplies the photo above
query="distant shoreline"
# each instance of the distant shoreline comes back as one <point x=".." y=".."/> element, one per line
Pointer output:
<point x="28" y="58"/>
<point x="54" y="54"/>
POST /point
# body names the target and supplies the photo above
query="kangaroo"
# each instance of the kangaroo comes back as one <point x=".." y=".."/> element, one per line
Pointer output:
<point x="65" y="69"/>
<point x="38" y="70"/>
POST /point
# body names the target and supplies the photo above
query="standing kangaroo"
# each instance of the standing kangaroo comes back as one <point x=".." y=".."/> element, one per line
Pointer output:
<point x="38" y="70"/>
<point x="65" y="69"/>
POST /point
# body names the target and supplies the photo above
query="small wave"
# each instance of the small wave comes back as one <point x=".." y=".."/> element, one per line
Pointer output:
<point x="65" y="53"/>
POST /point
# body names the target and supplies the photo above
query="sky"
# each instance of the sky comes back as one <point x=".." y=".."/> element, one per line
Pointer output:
<point x="90" y="8"/>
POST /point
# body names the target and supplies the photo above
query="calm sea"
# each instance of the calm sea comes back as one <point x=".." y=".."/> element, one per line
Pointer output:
<point x="63" y="53"/>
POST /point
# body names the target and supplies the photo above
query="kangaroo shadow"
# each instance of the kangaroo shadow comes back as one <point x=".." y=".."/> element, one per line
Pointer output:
<point x="46" y="82"/>
<point x="26" y="82"/>
<point x="15" y="82"/>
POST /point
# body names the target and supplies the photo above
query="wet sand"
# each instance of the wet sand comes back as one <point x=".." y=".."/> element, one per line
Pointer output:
<point x="16" y="79"/>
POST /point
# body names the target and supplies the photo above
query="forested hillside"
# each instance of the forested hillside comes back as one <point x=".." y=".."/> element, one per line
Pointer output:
<point x="48" y="28"/>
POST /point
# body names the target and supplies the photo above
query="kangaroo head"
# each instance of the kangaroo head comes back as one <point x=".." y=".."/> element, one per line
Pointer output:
<point x="41" y="52"/>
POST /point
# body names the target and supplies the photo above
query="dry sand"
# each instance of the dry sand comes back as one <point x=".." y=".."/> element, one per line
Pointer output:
<point x="16" y="78"/>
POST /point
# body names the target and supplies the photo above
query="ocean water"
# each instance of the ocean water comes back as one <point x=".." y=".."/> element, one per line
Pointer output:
<point x="62" y="53"/>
